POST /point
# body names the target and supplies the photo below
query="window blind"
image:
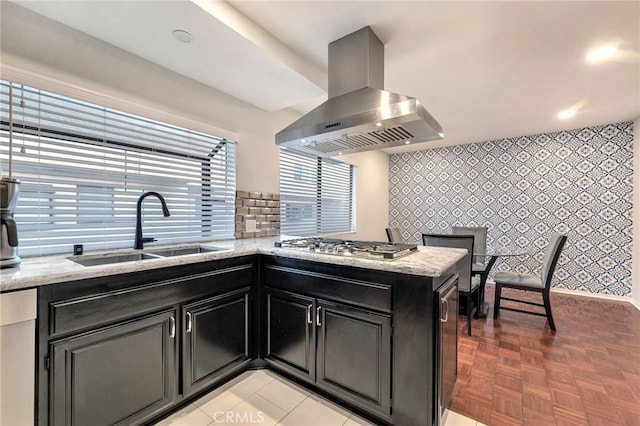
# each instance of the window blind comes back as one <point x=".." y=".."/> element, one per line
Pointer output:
<point x="82" y="168"/>
<point x="316" y="195"/>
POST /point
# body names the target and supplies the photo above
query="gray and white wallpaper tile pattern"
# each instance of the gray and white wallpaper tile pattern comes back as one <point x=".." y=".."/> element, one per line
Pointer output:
<point x="576" y="182"/>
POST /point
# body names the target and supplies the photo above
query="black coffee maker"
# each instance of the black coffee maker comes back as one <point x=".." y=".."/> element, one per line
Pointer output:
<point x="9" y="232"/>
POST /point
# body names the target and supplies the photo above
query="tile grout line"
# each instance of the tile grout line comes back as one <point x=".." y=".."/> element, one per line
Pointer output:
<point x="227" y="390"/>
<point x="290" y="411"/>
<point x="274" y="404"/>
<point x="210" y="418"/>
<point x="308" y="395"/>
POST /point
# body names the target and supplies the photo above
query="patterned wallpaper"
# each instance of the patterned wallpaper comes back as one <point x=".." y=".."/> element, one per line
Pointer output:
<point x="576" y="182"/>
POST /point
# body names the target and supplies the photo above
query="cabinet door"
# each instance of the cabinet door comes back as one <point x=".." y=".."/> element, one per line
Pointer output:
<point x="354" y="355"/>
<point x="447" y="343"/>
<point x="216" y="338"/>
<point x="121" y="374"/>
<point x="291" y="332"/>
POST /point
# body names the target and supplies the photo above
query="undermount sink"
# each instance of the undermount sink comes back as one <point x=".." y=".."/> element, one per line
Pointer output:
<point x="185" y="250"/>
<point x="107" y="259"/>
<point x="93" y="260"/>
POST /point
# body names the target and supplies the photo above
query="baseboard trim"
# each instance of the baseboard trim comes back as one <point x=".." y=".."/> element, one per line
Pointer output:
<point x="635" y="303"/>
<point x="578" y="293"/>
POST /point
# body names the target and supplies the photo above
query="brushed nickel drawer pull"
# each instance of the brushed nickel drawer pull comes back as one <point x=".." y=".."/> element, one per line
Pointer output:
<point x="445" y="310"/>
<point x="172" y="327"/>
<point x="188" y="322"/>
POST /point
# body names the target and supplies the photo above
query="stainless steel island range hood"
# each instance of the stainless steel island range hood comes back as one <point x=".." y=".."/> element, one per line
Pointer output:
<point x="359" y="115"/>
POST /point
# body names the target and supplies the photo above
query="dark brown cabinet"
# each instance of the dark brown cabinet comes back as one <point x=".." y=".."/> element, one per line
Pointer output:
<point x="128" y="373"/>
<point x="354" y="354"/>
<point x="370" y="339"/>
<point x="447" y="355"/>
<point x="291" y="334"/>
<point x="215" y="338"/>
<point x="125" y="350"/>
<point x="343" y="349"/>
<point x="121" y="374"/>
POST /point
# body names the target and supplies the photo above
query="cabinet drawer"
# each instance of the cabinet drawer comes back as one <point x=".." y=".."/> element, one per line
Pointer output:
<point x="348" y="290"/>
<point x="85" y="312"/>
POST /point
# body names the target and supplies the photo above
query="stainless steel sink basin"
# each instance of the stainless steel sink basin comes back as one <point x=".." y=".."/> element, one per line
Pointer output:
<point x="109" y="258"/>
<point x="93" y="260"/>
<point x="184" y="251"/>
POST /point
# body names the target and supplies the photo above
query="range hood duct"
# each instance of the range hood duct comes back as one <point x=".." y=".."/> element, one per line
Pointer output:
<point x="359" y="115"/>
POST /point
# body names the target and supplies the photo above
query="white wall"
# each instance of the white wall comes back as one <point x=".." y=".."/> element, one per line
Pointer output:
<point x="635" y="275"/>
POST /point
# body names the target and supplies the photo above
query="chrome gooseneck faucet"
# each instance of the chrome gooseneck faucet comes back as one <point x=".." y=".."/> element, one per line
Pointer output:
<point x="139" y="242"/>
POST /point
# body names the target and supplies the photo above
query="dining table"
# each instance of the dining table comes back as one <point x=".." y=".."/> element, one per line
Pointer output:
<point x="493" y="253"/>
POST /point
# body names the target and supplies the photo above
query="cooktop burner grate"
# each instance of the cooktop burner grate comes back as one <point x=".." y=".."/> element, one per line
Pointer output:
<point x="366" y="249"/>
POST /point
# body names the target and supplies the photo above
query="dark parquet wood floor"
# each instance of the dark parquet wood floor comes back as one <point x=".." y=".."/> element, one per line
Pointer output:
<point x="516" y="371"/>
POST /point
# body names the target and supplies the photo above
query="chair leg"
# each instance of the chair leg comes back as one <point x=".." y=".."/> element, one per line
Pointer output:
<point x="496" y="301"/>
<point x="547" y="308"/>
<point x="483" y="281"/>
<point x="469" y="313"/>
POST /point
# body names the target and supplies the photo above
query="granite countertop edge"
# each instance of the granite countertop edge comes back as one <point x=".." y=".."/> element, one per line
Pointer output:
<point x="39" y="271"/>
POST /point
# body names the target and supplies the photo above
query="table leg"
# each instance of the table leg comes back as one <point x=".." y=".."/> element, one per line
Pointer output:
<point x="484" y="306"/>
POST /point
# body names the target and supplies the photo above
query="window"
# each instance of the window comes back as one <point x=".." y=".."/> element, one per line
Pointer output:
<point x="316" y="195"/>
<point x="83" y="167"/>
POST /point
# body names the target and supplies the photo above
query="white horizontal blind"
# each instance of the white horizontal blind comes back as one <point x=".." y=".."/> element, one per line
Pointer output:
<point x="316" y="194"/>
<point x="83" y="167"/>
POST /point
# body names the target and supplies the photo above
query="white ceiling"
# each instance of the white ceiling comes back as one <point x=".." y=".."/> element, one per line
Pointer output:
<point x="485" y="70"/>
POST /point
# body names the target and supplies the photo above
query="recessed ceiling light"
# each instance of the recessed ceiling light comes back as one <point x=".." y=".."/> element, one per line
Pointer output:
<point x="182" y="36"/>
<point x="407" y="142"/>
<point x="572" y="110"/>
<point x="378" y="124"/>
<point x="566" y="114"/>
<point x="602" y="53"/>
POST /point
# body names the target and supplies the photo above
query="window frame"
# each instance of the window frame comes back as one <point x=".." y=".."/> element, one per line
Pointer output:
<point x="213" y="171"/>
<point x="307" y="189"/>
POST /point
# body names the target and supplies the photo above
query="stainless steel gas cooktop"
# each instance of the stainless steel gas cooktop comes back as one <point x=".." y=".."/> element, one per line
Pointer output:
<point x="348" y="248"/>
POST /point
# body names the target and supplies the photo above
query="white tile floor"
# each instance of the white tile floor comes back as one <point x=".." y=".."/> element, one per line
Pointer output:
<point x="263" y="398"/>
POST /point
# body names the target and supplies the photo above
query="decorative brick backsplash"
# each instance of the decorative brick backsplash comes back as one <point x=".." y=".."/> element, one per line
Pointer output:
<point x="261" y="207"/>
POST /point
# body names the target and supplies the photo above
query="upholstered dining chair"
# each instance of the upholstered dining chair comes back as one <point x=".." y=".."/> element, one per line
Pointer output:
<point x="478" y="268"/>
<point x="479" y="244"/>
<point x="393" y="235"/>
<point x="467" y="284"/>
<point x="533" y="283"/>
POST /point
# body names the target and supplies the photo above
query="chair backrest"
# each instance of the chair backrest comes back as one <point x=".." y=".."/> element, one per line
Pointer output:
<point x="393" y="235"/>
<point x="480" y="239"/>
<point x="551" y="256"/>
<point x="455" y="241"/>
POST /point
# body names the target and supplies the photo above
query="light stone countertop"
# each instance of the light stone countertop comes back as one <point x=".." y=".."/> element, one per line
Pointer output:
<point x="37" y="271"/>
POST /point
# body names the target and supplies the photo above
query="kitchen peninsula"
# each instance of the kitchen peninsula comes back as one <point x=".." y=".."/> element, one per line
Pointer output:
<point x="156" y="333"/>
